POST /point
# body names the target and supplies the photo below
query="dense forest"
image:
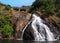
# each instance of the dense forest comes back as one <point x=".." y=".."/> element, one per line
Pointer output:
<point x="49" y="6"/>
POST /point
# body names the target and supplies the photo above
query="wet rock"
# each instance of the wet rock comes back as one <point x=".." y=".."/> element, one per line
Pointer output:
<point x="28" y="33"/>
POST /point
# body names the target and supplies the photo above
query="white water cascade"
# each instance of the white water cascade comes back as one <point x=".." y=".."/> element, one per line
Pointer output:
<point x="41" y="31"/>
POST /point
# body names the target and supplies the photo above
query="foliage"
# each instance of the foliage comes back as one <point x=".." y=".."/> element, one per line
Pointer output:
<point x="7" y="7"/>
<point x="5" y="26"/>
<point x="5" y="19"/>
<point x="2" y="4"/>
<point x="45" y="5"/>
<point x="0" y="13"/>
<point x="7" y="30"/>
<point x="58" y="13"/>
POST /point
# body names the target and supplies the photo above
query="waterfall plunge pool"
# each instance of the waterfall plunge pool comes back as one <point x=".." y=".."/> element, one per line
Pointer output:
<point x="23" y="41"/>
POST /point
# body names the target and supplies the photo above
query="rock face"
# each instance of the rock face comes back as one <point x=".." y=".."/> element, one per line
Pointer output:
<point x="22" y="21"/>
<point x="28" y="33"/>
<point x="18" y="21"/>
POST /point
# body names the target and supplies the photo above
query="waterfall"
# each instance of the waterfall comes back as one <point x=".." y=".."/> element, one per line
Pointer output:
<point x="41" y="31"/>
<point x="25" y="29"/>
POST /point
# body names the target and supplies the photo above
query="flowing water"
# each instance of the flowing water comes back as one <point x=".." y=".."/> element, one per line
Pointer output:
<point x="41" y="30"/>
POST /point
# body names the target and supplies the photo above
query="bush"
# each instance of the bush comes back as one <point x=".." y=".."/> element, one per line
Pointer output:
<point x="7" y="8"/>
<point x="5" y="26"/>
<point x="58" y="13"/>
<point x="5" y="19"/>
<point x="0" y="13"/>
<point x="7" y="30"/>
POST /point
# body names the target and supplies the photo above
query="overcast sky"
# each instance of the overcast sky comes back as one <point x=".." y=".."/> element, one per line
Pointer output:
<point x="18" y="3"/>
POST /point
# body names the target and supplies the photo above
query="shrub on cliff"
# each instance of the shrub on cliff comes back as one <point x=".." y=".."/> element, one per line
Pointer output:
<point x="7" y="30"/>
<point x="7" y="7"/>
<point x="5" y="26"/>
